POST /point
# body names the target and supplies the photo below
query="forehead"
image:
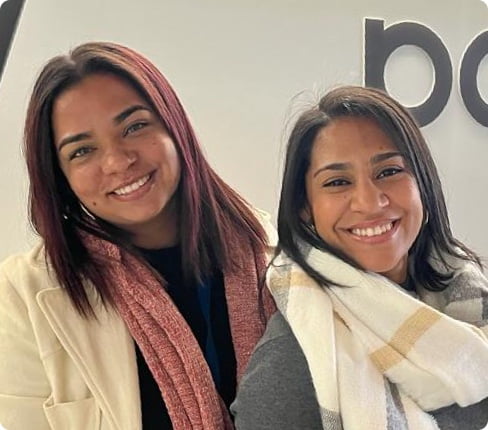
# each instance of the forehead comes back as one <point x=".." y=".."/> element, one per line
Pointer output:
<point x="97" y="91"/>
<point x="349" y="138"/>
<point x="93" y="101"/>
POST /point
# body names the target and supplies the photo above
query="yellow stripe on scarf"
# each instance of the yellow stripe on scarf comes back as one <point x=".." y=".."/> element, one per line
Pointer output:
<point x="404" y="339"/>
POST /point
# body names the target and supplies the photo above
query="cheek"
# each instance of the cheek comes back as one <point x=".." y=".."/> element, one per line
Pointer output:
<point x="326" y="211"/>
<point x="414" y="203"/>
<point x="82" y="182"/>
<point x="165" y="152"/>
<point x="174" y="165"/>
<point x="177" y="168"/>
<point x="419" y="215"/>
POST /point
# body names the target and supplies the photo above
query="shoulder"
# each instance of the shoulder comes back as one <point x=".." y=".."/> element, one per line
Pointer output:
<point x="265" y="219"/>
<point x="277" y="330"/>
<point x="276" y="390"/>
<point x="467" y="274"/>
<point x="26" y="274"/>
<point x="468" y="282"/>
<point x="466" y="296"/>
<point x="33" y="258"/>
<point x="278" y="350"/>
<point x="269" y="229"/>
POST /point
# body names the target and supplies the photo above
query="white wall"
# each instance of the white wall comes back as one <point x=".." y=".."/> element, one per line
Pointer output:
<point x="238" y="67"/>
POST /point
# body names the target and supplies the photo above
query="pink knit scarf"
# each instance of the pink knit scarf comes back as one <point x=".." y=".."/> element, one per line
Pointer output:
<point x="167" y="342"/>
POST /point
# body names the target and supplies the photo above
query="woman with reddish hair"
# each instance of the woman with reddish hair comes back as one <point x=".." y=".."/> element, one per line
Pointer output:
<point x="142" y="304"/>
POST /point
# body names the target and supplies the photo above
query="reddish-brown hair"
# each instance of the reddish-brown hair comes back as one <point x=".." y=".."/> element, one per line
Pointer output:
<point x="211" y="214"/>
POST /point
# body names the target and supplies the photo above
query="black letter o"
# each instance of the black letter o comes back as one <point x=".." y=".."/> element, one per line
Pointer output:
<point x="468" y="83"/>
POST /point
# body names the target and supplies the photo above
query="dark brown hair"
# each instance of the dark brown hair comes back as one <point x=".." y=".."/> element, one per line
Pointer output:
<point x="435" y="237"/>
<point x="211" y="214"/>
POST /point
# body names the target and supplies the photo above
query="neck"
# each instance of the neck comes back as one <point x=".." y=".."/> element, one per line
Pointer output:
<point x="399" y="273"/>
<point x="148" y="240"/>
<point x="161" y="232"/>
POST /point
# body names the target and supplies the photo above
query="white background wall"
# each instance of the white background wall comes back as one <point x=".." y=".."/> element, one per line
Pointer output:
<point x="243" y="69"/>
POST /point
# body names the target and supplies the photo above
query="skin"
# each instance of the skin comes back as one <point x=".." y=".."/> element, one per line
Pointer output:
<point x="108" y="137"/>
<point x="362" y="197"/>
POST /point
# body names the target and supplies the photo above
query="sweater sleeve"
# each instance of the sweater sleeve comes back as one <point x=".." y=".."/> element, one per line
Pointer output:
<point x="276" y="392"/>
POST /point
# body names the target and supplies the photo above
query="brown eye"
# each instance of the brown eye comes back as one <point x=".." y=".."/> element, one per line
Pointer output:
<point x="135" y="127"/>
<point x="390" y="171"/>
<point x="80" y="152"/>
<point x="336" y="183"/>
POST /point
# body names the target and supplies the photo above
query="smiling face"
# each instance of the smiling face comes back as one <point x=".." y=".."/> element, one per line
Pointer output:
<point x="362" y="197"/>
<point x="118" y="158"/>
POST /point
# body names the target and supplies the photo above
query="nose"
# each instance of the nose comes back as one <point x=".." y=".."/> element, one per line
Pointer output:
<point x="368" y="197"/>
<point x="117" y="159"/>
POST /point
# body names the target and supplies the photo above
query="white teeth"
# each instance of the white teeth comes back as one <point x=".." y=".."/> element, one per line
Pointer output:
<point x="132" y="187"/>
<point x="376" y="231"/>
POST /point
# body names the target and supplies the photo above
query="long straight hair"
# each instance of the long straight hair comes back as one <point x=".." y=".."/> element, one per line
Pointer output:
<point x="211" y="214"/>
<point x="435" y="237"/>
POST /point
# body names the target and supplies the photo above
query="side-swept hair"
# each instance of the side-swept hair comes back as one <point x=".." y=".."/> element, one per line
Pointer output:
<point x="211" y="214"/>
<point x="435" y="237"/>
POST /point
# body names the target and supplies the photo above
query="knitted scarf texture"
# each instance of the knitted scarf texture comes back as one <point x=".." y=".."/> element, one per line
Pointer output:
<point x="167" y="342"/>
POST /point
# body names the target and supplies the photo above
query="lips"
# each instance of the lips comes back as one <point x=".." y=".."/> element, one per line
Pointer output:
<point x="133" y="186"/>
<point x="372" y="231"/>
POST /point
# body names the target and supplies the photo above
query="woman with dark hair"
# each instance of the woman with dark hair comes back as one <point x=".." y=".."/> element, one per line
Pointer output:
<point x="142" y="305"/>
<point x="382" y="314"/>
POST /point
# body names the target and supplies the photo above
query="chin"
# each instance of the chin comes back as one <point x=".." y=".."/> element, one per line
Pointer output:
<point x="391" y="272"/>
<point x="379" y="266"/>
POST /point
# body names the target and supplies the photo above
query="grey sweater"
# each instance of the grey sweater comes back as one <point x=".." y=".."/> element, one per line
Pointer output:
<point x="276" y="392"/>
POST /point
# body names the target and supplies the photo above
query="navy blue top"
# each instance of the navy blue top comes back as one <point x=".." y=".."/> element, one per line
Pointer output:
<point x="204" y="308"/>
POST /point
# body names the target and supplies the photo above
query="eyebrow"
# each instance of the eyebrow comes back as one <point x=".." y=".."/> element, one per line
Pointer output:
<point x="72" y="139"/>
<point x="117" y="120"/>
<point x="378" y="158"/>
<point x="128" y="112"/>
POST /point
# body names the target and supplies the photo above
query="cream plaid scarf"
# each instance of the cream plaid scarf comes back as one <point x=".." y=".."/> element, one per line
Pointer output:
<point x="379" y="358"/>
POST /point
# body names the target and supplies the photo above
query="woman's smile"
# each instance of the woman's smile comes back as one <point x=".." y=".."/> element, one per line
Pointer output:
<point x="133" y="186"/>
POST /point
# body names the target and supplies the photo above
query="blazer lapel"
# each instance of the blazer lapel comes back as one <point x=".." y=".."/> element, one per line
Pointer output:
<point x="104" y="353"/>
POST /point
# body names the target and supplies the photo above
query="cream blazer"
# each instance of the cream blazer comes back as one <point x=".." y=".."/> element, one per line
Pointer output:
<point x="58" y="371"/>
